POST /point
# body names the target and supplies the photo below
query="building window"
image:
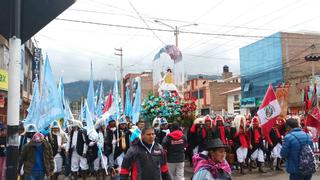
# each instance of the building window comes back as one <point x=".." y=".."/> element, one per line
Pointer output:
<point x="195" y="94"/>
<point x="246" y="87"/>
<point x="236" y="97"/>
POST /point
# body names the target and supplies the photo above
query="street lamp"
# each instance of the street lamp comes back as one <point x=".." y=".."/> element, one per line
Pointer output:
<point x="313" y="57"/>
<point x="175" y="28"/>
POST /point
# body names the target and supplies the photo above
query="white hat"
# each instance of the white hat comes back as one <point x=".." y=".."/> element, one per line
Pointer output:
<point x="76" y="123"/>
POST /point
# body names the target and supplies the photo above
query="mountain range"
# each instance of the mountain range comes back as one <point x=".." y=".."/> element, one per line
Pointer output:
<point x="75" y="90"/>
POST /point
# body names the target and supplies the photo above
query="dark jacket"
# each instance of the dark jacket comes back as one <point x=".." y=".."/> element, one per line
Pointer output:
<point x="235" y="138"/>
<point x="160" y="136"/>
<point x="82" y="139"/>
<point x="252" y="137"/>
<point x="217" y="134"/>
<point x="123" y="147"/>
<point x="145" y="164"/>
<point x="109" y="139"/>
<point x="53" y="140"/>
<point x="27" y="157"/>
<point x="275" y="139"/>
<point x="291" y="148"/>
<point x="174" y="145"/>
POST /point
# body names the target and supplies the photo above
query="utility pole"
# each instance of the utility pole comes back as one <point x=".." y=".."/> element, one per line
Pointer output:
<point x="176" y="34"/>
<point x="119" y="52"/>
<point x="13" y="93"/>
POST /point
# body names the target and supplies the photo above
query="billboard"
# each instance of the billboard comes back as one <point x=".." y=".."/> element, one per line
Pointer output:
<point x="3" y="80"/>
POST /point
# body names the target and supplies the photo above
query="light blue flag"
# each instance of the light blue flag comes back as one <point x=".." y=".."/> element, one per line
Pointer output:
<point x="67" y="114"/>
<point x="82" y="110"/>
<point x="135" y="134"/>
<point x="61" y="92"/>
<point x="137" y="102"/>
<point x="50" y="108"/>
<point x="116" y="98"/>
<point x="33" y="109"/>
<point x="91" y="131"/>
<point x="90" y="96"/>
<point x="128" y="105"/>
<point x="100" y="104"/>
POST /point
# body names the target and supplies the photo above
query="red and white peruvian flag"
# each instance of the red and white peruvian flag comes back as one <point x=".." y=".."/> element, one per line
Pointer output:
<point x="268" y="111"/>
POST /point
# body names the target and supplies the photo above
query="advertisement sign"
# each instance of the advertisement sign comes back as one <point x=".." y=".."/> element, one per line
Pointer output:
<point x="248" y="102"/>
<point x="36" y="63"/>
<point x="3" y="80"/>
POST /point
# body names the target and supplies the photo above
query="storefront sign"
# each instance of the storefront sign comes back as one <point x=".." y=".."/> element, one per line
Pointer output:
<point x="248" y="102"/>
<point x="36" y="64"/>
<point x="3" y="80"/>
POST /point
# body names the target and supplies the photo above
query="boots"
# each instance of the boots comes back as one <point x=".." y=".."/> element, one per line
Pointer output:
<point x="260" y="167"/>
<point x="54" y="176"/>
<point x="84" y="175"/>
<point x="97" y="175"/>
<point x="252" y="165"/>
<point x="241" y="169"/>
<point x="74" y="176"/>
<point x="271" y="163"/>
<point x="103" y="174"/>
<point x="278" y="168"/>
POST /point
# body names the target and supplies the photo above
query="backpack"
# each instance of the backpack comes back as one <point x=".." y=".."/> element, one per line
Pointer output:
<point x="307" y="162"/>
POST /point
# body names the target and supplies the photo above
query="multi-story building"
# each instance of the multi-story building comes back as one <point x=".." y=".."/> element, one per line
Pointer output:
<point x="208" y="92"/>
<point x="146" y="83"/>
<point x="31" y="63"/>
<point x="277" y="59"/>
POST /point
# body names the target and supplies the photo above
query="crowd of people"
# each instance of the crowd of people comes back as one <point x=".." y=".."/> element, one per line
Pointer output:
<point x="215" y="147"/>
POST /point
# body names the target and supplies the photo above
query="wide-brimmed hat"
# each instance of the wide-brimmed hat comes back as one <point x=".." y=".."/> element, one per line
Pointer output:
<point x="214" y="144"/>
<point x="55" y="124"/>
<point x="76" y="123"/>
<point x="31" y="128"/>
<point x="122" y="120"/>
<point x="163" y="121"/>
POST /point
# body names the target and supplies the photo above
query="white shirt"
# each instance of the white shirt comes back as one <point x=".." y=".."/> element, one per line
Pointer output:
<point x="74" y="139"/>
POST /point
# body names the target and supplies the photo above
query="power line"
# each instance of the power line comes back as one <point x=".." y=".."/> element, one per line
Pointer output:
<point x="169" y="30"/>
<point x="230" y="41"/>
<point x="145" y="22"/>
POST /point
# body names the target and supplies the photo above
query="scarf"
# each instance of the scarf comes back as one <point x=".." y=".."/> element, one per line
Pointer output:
<point x="256" y="135"/>
<point x="243" y="141"/>
<point x="201" y="161"/>
<point x="222" y="134"/>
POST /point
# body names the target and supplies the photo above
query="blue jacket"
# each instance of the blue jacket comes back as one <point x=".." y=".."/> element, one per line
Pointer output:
<point x="291" y="148"/>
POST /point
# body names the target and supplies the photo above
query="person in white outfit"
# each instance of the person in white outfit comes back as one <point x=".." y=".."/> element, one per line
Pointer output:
<point x="58" y="141"/>
<point x="77" y="147"/>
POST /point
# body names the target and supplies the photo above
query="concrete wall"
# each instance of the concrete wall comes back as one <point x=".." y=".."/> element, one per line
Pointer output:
<point x="218" y="101"/>
<point x="297" y="71"/>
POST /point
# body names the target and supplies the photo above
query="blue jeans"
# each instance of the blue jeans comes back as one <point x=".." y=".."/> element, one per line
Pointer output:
<point x="300" y="177"/>
<point x="35" y="176"/>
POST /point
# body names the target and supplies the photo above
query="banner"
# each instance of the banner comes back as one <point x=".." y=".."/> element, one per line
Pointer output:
<point x="137" y="101"/>
<point x="4" y="80"/>
<point x="90" y="95"/>
<point x="50" y="107"/>
<point x="282" y="97"/>
<point x="33" y="108"/>
<point x="128" y="103"/>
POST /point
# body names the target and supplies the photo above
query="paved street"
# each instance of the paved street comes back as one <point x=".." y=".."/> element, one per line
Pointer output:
<point x="270" y="175"/>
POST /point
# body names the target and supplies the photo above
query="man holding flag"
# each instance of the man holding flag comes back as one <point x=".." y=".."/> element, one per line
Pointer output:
<point x="268" y="112"/>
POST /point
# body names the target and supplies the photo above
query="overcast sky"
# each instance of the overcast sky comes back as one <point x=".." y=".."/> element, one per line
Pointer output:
<point x="71" y="45"/>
